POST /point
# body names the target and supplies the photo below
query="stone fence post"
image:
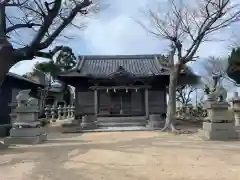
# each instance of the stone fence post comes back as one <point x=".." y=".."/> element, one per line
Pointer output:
<point x="53" y="113"/>
<point x="68" y="111"/>
<point x="59" y="112"/>
<point x="73" y="111"/>
<point x="65" y="111"/>
<point x="47" y="112"/>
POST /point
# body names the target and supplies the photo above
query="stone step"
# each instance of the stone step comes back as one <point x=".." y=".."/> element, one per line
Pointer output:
<point x="111" y="129"/>
<point x="121" y="120"/>
<point x="121" y="124"/>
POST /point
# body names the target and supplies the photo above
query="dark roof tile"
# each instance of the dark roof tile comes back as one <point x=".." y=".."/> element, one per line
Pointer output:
<point x="139" y="65"/>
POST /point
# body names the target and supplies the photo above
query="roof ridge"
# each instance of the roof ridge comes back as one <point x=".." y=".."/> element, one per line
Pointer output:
<point x="110" y="57"/>
<point x="158" y="63"/>
<point x="80" y="64"/>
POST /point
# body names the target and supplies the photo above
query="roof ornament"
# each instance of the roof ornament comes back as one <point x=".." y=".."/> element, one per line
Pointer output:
<point x="150" y="73"/>
<point x="121" y="75"/>
<point x="121" y="72"/>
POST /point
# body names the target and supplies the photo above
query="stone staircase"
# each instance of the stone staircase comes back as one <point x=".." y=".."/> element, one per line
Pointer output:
<point x="121" y="121"/>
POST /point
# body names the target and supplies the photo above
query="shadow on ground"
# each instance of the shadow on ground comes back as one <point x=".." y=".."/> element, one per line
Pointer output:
<point x="136" y="144"/>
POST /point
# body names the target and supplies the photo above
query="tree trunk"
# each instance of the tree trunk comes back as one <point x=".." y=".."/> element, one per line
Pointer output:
<point x="171" y="110"/>
<point x="6" y="58"/>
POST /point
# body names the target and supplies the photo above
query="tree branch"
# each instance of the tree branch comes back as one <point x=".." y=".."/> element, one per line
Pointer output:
<point x="28" y="52"/>
<point x="183" y="23"/>
<point x="66" y="21"/>
<point x="7" y="4"/>
<point x="18" y="26"/>
<point x="47" y="21"/>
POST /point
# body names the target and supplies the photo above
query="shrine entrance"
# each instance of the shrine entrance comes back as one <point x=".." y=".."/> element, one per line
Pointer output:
<point x="124" y="103"/>
<point x="120" y="102"/>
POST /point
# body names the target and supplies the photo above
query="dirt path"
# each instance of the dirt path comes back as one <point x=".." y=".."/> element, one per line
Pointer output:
<point x="122" y="156"/>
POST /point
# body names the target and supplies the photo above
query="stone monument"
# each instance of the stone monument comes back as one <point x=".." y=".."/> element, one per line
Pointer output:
<point x="219" y="123"/>
<point x="26" y="129"/>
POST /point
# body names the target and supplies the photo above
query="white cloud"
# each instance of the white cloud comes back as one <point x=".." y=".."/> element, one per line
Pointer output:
<point x="25" y="66"/>
<point x="119" y="36"/>
<point x="115" y="31"/>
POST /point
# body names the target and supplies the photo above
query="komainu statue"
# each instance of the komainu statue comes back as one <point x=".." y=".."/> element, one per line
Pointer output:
<point x="22" y="98"/>
<point x="217" y="92"/>
<point x="25" y="100"/>
<point x="33" y="102"/>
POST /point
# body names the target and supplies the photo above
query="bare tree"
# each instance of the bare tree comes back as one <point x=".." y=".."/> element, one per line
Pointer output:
<point x="47" y="19"/>
<point x="234" y="40"/>
<point x="214" y="66"/>
<point x="185" y="27"/>
<point x="184" y="94"/>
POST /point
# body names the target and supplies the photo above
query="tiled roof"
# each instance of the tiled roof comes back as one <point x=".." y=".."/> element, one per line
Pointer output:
<point x="138" y="65"/>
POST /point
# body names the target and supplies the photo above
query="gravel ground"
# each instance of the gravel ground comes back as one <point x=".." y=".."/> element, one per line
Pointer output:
<point x="122" y="156"/>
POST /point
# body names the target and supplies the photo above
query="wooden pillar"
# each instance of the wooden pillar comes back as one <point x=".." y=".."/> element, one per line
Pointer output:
<point x="95" y="102"/>
<point x="146" y="103"/>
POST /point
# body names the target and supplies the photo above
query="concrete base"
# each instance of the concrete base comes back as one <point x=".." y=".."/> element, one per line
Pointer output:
<point x="155" y="121"/>
<point x="89" y="125"/>
<point x="155" y="124"/>
<point x="89" y="122"/>
<point x="3" y="146"/>
<point x="237" y="128"/>
<point x="25" y="140"/>
<point x="70" y="126"/>
<point x="76" y="121"/>
<point x="218" y="131"/>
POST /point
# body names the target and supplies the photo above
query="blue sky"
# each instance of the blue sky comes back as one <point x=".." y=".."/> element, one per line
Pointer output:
<point x="115" y="31"/>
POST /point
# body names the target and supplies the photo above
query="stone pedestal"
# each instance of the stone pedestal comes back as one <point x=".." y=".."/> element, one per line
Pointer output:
<point x="155" y="121"/>
<point x="219" y="125"/>
<point x="218" y="112"/>
<point x="12" y="115"/>
<point x="236" y="110"/>
<point x="26" y="128"/>
<point x="89" y="122"/>
<point x="218" y="131"/>
<point x="26" y="136"/>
